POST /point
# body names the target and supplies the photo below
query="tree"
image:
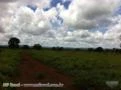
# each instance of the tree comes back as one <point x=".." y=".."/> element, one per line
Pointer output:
<point x="90" y="49"/>
<point x="37" y="46"/>
<point x="25" y="47"/>
<point x="57" y="48"/>
<point x="13" y="42"/>
<point x="53" y="48"/>
<point x="77" y="49"/>
<point x="99" y="49"/>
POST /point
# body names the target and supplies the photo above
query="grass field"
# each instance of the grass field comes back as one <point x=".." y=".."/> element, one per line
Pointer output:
<point x="89" y="69"/>
<point x="9" y="60"/>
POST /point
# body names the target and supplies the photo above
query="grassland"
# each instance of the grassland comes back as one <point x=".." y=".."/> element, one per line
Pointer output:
<point x="88" y="69"/>
<point x="9" y="60"/>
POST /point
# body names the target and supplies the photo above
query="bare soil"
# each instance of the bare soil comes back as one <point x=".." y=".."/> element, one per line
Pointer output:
<point x="33" y="72"/>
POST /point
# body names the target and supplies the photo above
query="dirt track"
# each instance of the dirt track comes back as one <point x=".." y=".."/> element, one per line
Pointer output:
<point x="28" y="74"/>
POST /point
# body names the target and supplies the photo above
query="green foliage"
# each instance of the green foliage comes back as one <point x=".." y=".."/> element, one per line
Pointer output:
<point x="37" y="46"/>
<point x="8" y="64"/>
<point x="89" y="69"/>
<point x="13" y="42"/>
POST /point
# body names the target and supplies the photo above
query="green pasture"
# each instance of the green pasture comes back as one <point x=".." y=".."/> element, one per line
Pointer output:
<point x="9" y="61"/>
<point x="89" y="69"/>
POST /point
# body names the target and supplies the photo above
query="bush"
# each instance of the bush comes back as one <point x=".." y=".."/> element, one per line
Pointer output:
<point x="37" y="46"/>
<point x="90" y="49"/>
<point x="57" y="48"/>
<point x="99" y="49"/>
<point x="77" y="49"/>
<point x="91" y="82"/>
<point x="25" y="47"/>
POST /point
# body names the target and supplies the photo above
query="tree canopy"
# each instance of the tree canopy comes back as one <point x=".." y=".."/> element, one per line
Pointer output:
<point x="13" y="42"/>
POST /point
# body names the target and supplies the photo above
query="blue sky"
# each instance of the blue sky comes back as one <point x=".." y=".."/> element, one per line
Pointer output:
<point x="118" y="11"/>
<point x="33" y="7"/>
<point x="55" y="2"/>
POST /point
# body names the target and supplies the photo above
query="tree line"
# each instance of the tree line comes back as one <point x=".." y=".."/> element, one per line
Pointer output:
<point x="14" y="43"/>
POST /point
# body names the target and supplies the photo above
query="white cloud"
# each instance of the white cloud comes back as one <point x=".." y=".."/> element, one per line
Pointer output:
<point x="87" y="14"/>
<point x="113" y="33"/>
<point x="28" y="21"/>
<point x="76" y="30"/>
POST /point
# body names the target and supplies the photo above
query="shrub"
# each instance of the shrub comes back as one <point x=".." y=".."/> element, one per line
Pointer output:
<point x="37" y="46"/>
<point x="25" y="47"/>
<point x="99" y="49"/>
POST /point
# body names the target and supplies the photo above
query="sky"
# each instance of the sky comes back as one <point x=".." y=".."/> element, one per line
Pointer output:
<point x="63" y="23"/>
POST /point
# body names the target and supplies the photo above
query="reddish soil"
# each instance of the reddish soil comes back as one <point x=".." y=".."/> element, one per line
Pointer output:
<point x="28" y="74"/>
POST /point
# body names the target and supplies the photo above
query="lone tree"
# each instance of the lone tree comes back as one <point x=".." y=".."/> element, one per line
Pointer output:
<point x="13" y="42"/>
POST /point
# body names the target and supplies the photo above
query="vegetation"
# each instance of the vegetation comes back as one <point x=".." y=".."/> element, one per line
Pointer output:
<point x="57" y="48"/>
<point x="37" y="46"/>
<point x="25" y="47"/>
<point x="13" y="42"/>
<point x="99" y="49"/>
<point x="89" y="69"/>
<point x="9" y="60"/>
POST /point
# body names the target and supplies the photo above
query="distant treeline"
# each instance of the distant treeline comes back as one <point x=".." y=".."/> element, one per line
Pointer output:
<point x="39" y="47"/>
<point x="14" y="43"/>
<point x="98" y="49"/>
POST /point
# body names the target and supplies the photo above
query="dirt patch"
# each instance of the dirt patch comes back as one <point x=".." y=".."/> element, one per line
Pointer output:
<point x="32" y="71"/>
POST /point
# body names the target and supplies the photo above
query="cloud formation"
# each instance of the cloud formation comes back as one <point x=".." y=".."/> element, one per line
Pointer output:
<point x="87" y="14"/>
<point x="82" y="24"/>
